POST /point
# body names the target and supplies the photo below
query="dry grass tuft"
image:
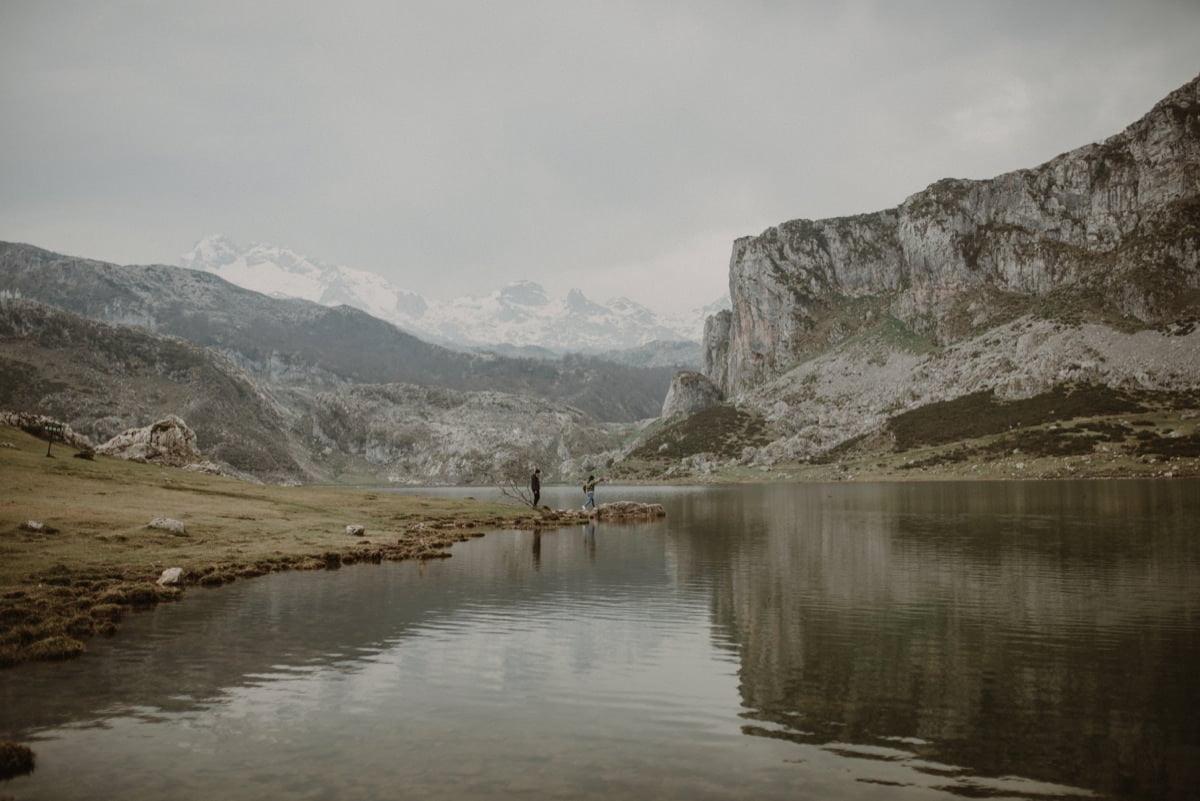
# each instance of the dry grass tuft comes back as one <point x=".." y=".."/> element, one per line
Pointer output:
<point x="54" y="648"/>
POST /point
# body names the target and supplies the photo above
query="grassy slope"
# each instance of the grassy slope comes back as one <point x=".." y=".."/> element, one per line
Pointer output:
<point x="1069" y="431"/>
<point x="101" y="558"/>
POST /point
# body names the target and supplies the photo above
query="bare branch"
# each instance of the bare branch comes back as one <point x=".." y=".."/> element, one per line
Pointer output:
<point x="522" y="495"/>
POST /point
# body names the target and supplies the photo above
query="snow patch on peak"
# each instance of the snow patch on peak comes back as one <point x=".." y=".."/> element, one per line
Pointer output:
<point x="519" y="314"/>
<point x="212" y="249"/>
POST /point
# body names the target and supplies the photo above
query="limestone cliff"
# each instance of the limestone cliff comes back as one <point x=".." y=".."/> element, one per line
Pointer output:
<point x="1107" y="233"/>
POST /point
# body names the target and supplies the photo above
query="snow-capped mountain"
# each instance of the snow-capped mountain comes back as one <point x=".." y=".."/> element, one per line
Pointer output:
<point x="520" y="313"/>
<point x="281" y="272"/>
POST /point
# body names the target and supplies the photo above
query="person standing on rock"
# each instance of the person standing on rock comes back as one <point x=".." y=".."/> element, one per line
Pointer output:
<point x="589" y="489"/>
<point x="535" y="484"/>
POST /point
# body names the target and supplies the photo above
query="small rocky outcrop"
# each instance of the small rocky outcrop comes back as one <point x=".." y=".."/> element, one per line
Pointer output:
<point x="690" y="392"/>
<point x="630" y="510"/>
<point x="169" y="442"/>
<point x="37" y="425"/>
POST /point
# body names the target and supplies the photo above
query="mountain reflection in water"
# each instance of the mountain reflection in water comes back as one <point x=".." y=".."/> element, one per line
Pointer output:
<point x="1029" y="640"/>
<point x="1040" y="629"/>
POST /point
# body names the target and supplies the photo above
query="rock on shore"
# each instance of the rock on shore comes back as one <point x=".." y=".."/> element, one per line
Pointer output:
<point x="630" y="510"/>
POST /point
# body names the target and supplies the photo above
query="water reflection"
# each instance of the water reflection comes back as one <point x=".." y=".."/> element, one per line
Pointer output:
<point x="874" y="641"/>
<point x="589" y="538"/>
<point x="1040" y="629"/>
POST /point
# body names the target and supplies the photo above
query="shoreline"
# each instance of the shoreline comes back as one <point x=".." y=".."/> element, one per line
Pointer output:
<point x="78" y="551"/>
<point x="83" y="542"/>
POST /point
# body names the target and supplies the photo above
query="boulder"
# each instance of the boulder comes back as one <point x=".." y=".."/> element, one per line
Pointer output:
<point x="170" y="577"/>
<point x="169" y="442"/>
<point x="355" y="530"/>
<point x="169" y="524"/>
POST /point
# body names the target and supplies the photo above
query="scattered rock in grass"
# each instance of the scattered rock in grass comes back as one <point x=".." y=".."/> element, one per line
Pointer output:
<point x="355" y="530"/>
<point x="38" y="527"/>
<point x="170" y="524"/>
<point x="170" y="577"/>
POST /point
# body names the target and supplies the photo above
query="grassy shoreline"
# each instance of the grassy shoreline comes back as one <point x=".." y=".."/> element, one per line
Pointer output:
<point x="95" y="557"/>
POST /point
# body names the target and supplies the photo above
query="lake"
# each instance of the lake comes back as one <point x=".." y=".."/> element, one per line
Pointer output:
<point x="1030" y="640"/>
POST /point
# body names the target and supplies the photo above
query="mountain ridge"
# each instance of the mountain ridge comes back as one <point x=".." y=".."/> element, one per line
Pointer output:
<point x="520" y="313"/>
<point x="290" y="340"/>
<point x="1112" y="230"/>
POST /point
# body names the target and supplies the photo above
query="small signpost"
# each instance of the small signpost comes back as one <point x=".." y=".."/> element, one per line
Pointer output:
<point x="52" y="430"/>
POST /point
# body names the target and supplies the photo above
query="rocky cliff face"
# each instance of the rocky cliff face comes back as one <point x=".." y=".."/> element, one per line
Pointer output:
<point x="1109" y="232"/>
<point x="422" y="435"/>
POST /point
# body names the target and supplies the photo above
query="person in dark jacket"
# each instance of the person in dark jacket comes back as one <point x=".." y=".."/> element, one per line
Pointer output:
<point x="535" y="484"/>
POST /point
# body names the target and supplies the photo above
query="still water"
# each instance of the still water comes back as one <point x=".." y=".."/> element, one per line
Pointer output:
<point x="869" y="641"/>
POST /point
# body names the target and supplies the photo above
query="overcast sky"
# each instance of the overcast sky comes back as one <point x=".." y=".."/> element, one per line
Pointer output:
<point x="616" y="147"/>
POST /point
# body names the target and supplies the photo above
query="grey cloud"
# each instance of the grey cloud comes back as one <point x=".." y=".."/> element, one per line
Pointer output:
<point x="611" y="146"/>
